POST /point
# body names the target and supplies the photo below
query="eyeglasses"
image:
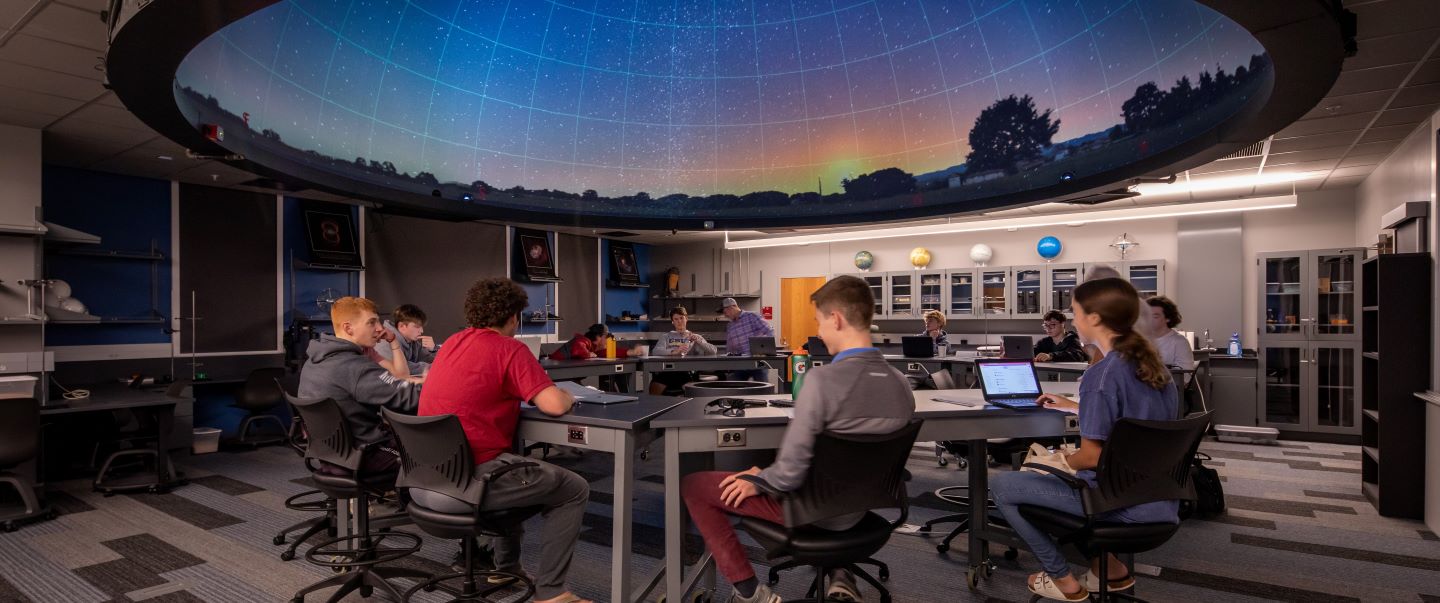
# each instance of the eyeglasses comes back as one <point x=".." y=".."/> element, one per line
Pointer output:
<point x="1047" y="324"/>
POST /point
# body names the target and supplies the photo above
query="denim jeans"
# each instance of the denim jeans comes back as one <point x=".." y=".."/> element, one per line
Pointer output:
<point x="1010" y="489"/>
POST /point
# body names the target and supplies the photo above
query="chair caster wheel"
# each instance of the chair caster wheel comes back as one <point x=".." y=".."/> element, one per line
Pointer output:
<point x="298" y="600"/>
<point x="429" y="588"/>
<point x="1011" y="554"/>
<point x="944" y="462"/>
<point x="884" y="575"/>
<point x="9" y="526"/>
<point x="287" y="555"/>
<point x="366" y="591"/>
<point x="924" y="529"/>
<point x="942" y="548"/>
<point x="278" y="540"/>
<point x="972" y="578"/>
<point x="989" y="570"/>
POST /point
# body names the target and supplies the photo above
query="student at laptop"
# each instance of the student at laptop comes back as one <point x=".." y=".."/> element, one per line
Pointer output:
<point x="935" y="329"/>
<point x="1059" y="344"/>
<point x="1129" y="382"/>
<point x="481" y="376"/>
<point x="856" y="393"/>
<point x="678" y="342"/>
<point x="743" y="325"/>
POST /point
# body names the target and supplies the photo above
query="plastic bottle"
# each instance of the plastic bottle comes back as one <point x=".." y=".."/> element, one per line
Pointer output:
<point x="1234" y="344"/>
<point x="609" y="347"/>
<point x="799" y="365"/>
<point x="1209" y="342"/>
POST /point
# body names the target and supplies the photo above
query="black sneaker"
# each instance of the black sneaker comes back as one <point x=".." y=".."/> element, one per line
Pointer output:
<point x="484" y="559"/>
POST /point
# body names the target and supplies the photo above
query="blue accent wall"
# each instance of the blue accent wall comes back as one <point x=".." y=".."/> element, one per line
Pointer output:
<point x="619" y="299"/>
<point x="128" y="214"/>
<point x="310" y="283"/>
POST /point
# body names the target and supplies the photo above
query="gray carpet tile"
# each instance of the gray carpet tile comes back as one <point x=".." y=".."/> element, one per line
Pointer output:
<point x="1249" y="587"/>
<point x="1424" y="563"/>
<point x="1430" y="598"/>
<point x="1337" y="495"/>
<point x="9" y="593"/>
<point x="63" y="502"/>
<point x="1341" y="456"/>
<point x="154" y="554"/>
<point x="39" y="578"/>
<point x="1283" y="507"/>
<point x="233" y="487"/>
<point x="211" y="584"/>
<point x="187" y="511"/>
<point x="175" y="597"/>
<point x="153" y="592"/>
<point x="1428" y="535"/>
<point x="1293" y="464"/>
<point x="1240" y="520"/>
<point x="119" y="576"/>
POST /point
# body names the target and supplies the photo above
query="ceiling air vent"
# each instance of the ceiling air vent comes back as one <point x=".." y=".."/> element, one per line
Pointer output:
<point x="1104" y="197"/>
<point x="1252" y="150"/>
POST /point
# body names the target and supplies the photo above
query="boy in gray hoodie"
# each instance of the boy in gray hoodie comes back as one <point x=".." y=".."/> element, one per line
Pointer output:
<point x="407" y="326"/>
<point x="337" y="368"/>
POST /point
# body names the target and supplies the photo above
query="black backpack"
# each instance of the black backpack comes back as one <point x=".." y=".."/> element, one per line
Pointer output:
<point x="1209" y="492"/>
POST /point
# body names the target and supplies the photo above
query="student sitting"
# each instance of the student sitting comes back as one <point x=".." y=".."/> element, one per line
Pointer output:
<point x="1058" y="344"/>
<point x="1129" y="382"/>
<point x="408" y="329"/>
<point x="678" y="342"/>
<point x="935" y="329"/>
<point x="856" y="393"/>
<point x="337" y="368"/>
<point x="1163" y="316"/>
<point x="583" y="346"/>
<point x="482" y="375"/>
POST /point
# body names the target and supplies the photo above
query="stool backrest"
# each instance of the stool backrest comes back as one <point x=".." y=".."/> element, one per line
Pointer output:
<point x="852" y="474"/>
<point x="330" y="439"/>
<point x="260" y="392"/>
<point x="435" y="456"/>
<point x="1145" y="461"/>
<point x="19" y="430"/>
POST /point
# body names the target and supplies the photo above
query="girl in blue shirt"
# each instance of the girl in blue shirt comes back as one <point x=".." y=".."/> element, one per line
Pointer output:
<point x="1129" y="381"/>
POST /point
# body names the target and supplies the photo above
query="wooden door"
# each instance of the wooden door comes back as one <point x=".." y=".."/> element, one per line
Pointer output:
<point x="797" y="314"/>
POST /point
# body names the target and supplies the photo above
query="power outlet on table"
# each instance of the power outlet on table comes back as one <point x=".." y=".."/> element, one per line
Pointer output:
<point x="730" y="437"/>
<point x="577" y="434"/>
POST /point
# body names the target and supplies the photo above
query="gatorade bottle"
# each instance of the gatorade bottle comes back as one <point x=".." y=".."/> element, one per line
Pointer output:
<point x="799" y="364"/>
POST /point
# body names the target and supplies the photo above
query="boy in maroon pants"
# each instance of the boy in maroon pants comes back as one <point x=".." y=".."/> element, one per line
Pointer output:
<point x="857" y="393"/>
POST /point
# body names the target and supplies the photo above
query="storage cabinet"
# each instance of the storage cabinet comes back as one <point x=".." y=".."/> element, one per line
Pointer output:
<point x="995" y="293"/>
<point x="1148" y="276"/>
<point x="879" y="287"/>
<point x="903" y="293"/>
<point x="1310" y="386"/>
<point x="1308" y="295"/>
<point x="960" y="293"/>
<point x="1060" y="283"/>
<point x="1029" y="292"/>
<point x="1395" y="360"/>
<point x="912" y="292"/>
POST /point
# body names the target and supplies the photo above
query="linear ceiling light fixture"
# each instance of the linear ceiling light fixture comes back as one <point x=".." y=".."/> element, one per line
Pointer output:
<point x="1063" y="219"/>
<point x="1197" y="185"/>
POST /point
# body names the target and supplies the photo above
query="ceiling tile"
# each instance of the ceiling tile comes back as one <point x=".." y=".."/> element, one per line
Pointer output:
<point x="1381" y="19"/>
<point x="69" y="150"/>
<point x="1359" y="170"/>
<point x="1307" y="185"/>
<point x="1383" y="147"/>
<point x="1228" y="165"/>
<point x="97" y="113"/>
<point x="23" y="118"/>
<point x="1343" y="183"/>
<point x="214" y="173"/>
<point x="1323" y="125"/>
<point x="136" y="166"/>
<point x="1370" y="80"/>
<point x="1387" y="133"/>
<point x="1319" y="141"/>
<point x="71" y="127"/>
<point x="1306" y="155"/>
<point x="1415" y="95"/>
<point x="70" y="25"/>
<point x="1407" y="115"/>
<point x="49" y="82"/>
<point x="36" y="102"/>
<point x="39" y="52"/>
<point x="1353" y="160"/>
<point x="1406" y="47"/>
<point x="1333" y="106"/>
<point x="1301" y="166"/>
<point x="1428" y="73"/>
<point x="12" y="10"/>
<point x="94" y="6"/>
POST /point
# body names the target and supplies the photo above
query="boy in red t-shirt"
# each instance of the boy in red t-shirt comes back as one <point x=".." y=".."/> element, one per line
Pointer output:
<point x="481" y="375"/>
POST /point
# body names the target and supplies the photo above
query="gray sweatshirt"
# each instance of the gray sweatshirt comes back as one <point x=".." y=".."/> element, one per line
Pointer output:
<point x="416" y="354"/>
<point x="860" y="394"/>
<point x="337" y="369"/>
<point x="666" y="345"/>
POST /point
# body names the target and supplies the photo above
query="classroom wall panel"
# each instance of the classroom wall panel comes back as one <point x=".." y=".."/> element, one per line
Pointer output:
<point x="431" y="264"/>
<point x="228" y="260"/>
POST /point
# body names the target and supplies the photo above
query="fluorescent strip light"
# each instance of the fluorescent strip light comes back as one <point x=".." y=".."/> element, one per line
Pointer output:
<point x="1039" y="221"/>
<point x="1195" y="185"/>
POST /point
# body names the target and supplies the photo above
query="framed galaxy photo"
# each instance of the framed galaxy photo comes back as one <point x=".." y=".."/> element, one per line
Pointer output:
<point x="624" y="269"/>
<point x="532" y="248"/>
<point x="331" y="235"/>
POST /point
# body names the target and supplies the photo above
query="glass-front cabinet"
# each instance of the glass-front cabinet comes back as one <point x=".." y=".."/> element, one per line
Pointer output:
<point x="1309" y="295"/>
<point x="1336" y="311"/>
<point x="1061" y="280"/>
<point x="960" y="293"/>
<point x="995" y="292"/>
<point x="878" y="282"/>
<point x="1311" y="386"/>
<point x="1029" y="292"/>
<point x="903" y="294"/>
<point x="1281" y="396"/>
<point x="931" y="291"/>
<point x="912" y="292"/>
<point x="1282" y="301"/>
<point x="1148" y="276"/>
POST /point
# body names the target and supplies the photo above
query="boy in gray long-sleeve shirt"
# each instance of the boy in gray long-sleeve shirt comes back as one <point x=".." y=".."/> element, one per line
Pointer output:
<point x="857" y="393"/>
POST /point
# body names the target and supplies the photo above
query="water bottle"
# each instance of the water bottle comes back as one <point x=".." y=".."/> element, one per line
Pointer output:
<point x="799" y="364"/>
<point x="1234" y="344"/>
<point x="1209" y="342"/>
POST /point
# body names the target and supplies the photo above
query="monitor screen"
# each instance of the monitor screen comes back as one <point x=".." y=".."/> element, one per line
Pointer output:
<point x="1008" y="378"/>
<point x="331" y="236"/>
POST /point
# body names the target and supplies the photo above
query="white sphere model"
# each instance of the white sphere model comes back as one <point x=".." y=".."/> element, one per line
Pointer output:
<point x="981" y="253"/>
<point x="73" y="305"/>
<point x="58" y="290"/>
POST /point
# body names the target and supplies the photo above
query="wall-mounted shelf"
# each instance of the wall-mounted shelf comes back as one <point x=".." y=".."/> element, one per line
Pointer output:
<point x="304" y="265"/>
<point x="683" y="297"/>
<point x="111" y="253"/>
<point x="531" y="320"/>
<point x="615" y="283"/>
<point x="113" y="320"/>
<point x="21" y="230"/>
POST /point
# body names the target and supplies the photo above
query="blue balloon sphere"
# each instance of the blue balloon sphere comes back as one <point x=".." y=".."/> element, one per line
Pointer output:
<point x="1048" y="248"/>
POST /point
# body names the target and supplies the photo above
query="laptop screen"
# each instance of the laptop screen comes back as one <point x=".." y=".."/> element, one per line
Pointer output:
<point x="1008" y="379"/>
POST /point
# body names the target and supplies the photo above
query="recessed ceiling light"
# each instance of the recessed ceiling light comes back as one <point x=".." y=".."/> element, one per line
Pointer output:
<point x="164" y="157"/>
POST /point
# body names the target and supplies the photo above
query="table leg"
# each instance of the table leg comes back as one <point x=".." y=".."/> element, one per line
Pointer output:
<point x="979" y="481"/>
<point x="674" y="523"/>
<point x="622" y="520"/>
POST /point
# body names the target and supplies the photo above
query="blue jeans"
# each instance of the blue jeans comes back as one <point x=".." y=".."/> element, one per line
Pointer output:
<point x="1011" y="489"/>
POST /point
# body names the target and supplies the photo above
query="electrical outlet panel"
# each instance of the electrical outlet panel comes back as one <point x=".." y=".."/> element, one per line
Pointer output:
<point x="1072" y="423"/>
<point x="730" y="437"/>
<point x="577" y="434"/>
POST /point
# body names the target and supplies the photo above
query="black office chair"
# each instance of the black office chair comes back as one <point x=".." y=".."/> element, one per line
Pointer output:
<point x="435" y="456"/>
<point x="257" y="398"/>
<point x="309" y="501"/>
<point x="360" y="558"/>
<point x="850" y="474"/>
<point x="1143" y="461"/>
<point x="20" y="442"/>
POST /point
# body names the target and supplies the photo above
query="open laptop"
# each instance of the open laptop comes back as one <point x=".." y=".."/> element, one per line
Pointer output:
<point x="817" y="347"/>
<point x="1018" y="346"/>
<point x="762" y="346"/>
<point x="1009" y="383"/>
<point x="590" y="395"/>
<point x="917" y="346"/>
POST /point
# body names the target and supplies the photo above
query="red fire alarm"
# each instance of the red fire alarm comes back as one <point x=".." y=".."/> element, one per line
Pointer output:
<point x="768" y="312"/>
<point x="212" y="132"/>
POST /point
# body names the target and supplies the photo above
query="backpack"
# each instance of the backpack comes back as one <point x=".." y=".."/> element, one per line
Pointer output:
<point x="1209" y="493"/>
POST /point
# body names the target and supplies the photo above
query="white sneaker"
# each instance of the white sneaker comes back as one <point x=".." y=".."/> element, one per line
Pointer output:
<point x="842" y="587"/>
<point x="763" y="594"/>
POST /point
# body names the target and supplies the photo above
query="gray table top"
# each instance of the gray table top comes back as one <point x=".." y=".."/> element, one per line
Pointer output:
<point x="112" y="396"/>
<point x="712" y="358"/>
<point x="693" y="414"/>
<point x="622" y="415"/>
<point x="559" y="364"/>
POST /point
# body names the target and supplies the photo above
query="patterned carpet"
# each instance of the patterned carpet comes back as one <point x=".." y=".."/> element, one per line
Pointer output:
<point x="1297" y="530"/>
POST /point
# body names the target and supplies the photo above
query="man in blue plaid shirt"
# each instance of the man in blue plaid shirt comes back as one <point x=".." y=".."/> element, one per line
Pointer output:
<point x="744" y="325"/>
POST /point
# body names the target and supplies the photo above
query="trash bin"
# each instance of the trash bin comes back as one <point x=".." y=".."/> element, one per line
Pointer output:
<point x="706" y="389"/>
<point x="207" y="440"/>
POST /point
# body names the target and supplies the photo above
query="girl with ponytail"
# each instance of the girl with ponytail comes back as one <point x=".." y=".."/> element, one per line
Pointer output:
<point x="1130" y="382"/>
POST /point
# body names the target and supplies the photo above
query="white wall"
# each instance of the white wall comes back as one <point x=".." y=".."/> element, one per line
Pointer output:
<point x="1408" y="174"/>
<point x="1322" y="219"/>
<point x="19" y="256"/>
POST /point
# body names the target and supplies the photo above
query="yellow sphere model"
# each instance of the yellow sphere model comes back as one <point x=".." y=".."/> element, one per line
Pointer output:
<point x="920" y="257"/>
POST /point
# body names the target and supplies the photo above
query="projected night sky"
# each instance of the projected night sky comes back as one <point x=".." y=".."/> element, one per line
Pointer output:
<point x="604" y="99"/>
